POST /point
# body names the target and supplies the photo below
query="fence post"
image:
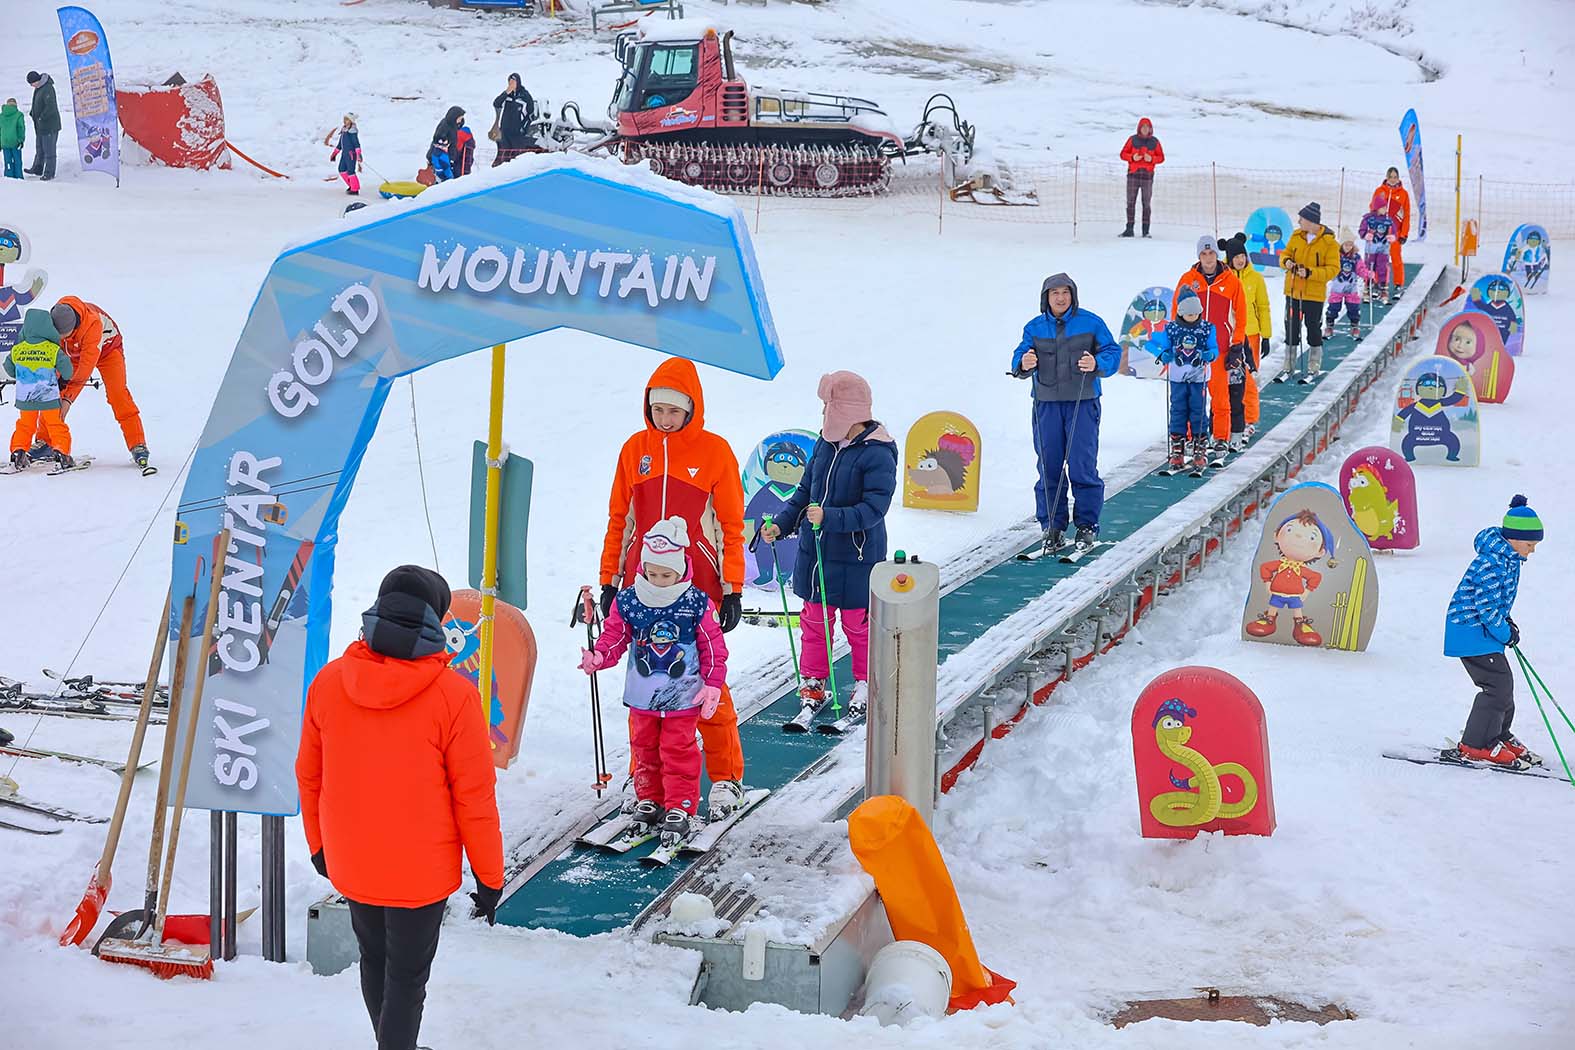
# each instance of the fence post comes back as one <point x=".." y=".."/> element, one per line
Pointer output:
<point x="1339" y="209"/>
<point x="1214" y="189"/>
<point x="1457" y="199"/>
<point x="940" y="205"/>
<point x="1480" y="221"/>
<point x="1076" y="164"/>
<point x="760" y="189"/>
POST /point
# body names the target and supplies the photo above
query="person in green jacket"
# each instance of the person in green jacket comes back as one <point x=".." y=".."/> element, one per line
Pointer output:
<point x="39" y="366"/>
<point x="45" y="112"/>
<point x="13" y="135"/>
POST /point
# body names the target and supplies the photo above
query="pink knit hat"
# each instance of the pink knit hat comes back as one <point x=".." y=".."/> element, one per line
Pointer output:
<point x="848" y="401"/>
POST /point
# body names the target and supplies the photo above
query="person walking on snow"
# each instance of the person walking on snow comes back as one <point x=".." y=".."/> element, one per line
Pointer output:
<point x="1225" y="307"/>
<point x="92" y="339"/>
<point x="843" y="499"/>
<point x="395" y="773"/>
<point x="1143" y="154"/>
<point x="347" y="151"/>
<point x="1311" y="260"/>
<point x="39" y="366"/>
<point x="1185" y="346"/>
<point x="677" y="668"/>
<point x="1259" y="326"/>
<point x="1346" y="288"/>
<point x="516" y="111"/>
<point x="1478" y="626"/>
<point x="672" y="467"/>
<point x="13" y="136"/>
<point x="1066" y="349"/>
<point x="1391" y="199"/>
<point x="45" y="112"/>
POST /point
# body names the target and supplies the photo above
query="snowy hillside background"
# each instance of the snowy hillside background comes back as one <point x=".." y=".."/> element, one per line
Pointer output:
<point x="1428" y="901"/>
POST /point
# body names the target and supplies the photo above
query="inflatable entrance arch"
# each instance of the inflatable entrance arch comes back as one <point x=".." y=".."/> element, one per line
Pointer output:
<point x="531" y="246"/>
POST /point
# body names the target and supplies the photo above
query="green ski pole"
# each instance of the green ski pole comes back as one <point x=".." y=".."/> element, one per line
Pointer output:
<point x="1533" y="680"/>
<point x="831" y="666"/>
<point x="1531" y="674"/>
<point x="787" y="619"/>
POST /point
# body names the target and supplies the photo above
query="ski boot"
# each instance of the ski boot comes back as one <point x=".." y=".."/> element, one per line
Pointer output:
<point x="1200" y="458"/>
<point x="20" y="460"/>
<point x="648" y="813"/>
<point x="859" y="702"/>
<point x="1304" y="634"/>
<point x="1384" y="297"/>
<point x="1499" y="755"/>
<point x="675" y="828"/>
<point x="1218" y="450"/>
<point x="1054" y="540"/>
<point x="139" y="456"/>
<point x="39" y="451"/>
<point x="1087" y="536"/>
<point x="1521" y="751"/>
<point x="1356" y="332"/>
<point x="63" y="461"/>
<point x="726" y="796"/>
<point x="1145" y="231"/>
<point x="1238" y="442"/>
<point x="1178" y="454"/>
<point x="1328" y="331"/>
<point x="1250" y="433"/>
<point x="1263" y="626"/>
<point x="812" y="691"/>
<point x="5" y="737"/>
<point x="1127" y="232"/>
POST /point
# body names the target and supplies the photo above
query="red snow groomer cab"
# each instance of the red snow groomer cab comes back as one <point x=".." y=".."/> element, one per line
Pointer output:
<point x="682" y="107"/>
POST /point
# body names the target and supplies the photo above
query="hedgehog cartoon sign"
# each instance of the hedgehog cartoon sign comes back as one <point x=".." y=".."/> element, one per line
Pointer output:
<point x="941" y="463"/>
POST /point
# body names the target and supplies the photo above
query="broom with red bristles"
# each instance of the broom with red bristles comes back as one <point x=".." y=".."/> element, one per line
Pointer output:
<point x="149" y="950"/>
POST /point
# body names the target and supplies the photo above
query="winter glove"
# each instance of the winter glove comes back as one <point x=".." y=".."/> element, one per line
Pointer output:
<point x="1514" y="632"/>
<point x="1402" y="240"/>
<point x="732" y="611"/>
<point x="590" y="661"/>
<point x="320" y="864"/>
<point x="710" y="698"/>
<point x="486" y="903"/>
<point x="609" y="594"/>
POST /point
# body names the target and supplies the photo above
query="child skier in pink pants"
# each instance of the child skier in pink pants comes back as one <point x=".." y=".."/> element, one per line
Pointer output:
<point x="839" y="512"/>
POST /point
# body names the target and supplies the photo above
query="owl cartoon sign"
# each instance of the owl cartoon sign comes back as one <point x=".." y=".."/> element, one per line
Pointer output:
<point x="941" y="463"/>
<point x="1380" y="496"/>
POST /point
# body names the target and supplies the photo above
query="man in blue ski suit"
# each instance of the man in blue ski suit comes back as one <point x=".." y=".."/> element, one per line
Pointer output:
<point x="1066" y="349"/>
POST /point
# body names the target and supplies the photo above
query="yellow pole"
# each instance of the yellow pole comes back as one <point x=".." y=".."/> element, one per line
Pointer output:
<point x="489" y="548"/>
<point x="1457" y="200"/>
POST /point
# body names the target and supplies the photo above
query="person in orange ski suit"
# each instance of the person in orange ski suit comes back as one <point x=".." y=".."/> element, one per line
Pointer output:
<point x="1391" y="199"/>
<point x="90" y="337"/>
<point x="1226" y="307"/>
<point x="673" y="466"/>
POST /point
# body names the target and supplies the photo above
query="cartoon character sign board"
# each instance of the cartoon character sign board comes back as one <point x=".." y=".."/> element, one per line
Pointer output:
<point x="1470" y="339"/>
<point x="1380" y="497"/>
<point x="1146" y="314"/>
<point x="941" y="463"/>
<point x="772" y="473"/>
<point x="1313" y="582"/>
<point x="1529" y="257"/>
<point x="513" y="666"/>
<point x="1436" y="418"/>
<point x="1200" y="743"/>
<point x="1267" y="231"/>
<point x="1497" y="296"/>
<point x="16" y="249"/>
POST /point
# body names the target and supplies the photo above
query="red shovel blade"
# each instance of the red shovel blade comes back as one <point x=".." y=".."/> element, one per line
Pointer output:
<point x="88" y="910"/>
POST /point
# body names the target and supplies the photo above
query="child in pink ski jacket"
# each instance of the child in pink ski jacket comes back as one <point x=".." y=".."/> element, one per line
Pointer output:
<point x="1346" y="288"/>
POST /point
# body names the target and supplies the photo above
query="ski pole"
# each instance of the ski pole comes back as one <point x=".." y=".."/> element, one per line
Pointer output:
<point x="586" y="612"/>
<point x="787" y="621"/>
<point x="1531" y="673"/>
<point x="825" y="620"/>
<point x="1533" y="680"/>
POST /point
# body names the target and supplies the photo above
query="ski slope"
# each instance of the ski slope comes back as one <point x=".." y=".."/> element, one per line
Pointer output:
<point x="1373" y="891"/>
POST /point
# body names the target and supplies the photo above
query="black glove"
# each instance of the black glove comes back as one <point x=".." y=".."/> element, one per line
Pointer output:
<point x="320" y="864"/>
<point x="1402" y="240"/>
<point x="1514" y="633"/>
<point x="486" y="903"/>
<point x="609" y="593"/>
<point x="732" y="611"/>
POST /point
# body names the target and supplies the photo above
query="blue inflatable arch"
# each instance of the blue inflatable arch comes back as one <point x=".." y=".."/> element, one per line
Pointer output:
<point x="522" y="249"/>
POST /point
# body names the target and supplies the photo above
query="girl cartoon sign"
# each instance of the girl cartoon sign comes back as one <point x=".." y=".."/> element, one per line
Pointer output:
<point x="1471" y="340"/>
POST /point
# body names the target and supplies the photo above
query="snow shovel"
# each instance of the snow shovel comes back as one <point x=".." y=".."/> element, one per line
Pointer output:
<point x="92" y="903"/>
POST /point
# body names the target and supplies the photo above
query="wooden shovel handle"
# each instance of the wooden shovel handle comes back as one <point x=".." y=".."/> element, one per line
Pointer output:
<point x="167" y="765"/>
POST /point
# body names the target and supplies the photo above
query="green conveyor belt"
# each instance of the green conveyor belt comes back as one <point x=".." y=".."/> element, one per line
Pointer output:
<point x="587" y="890"/>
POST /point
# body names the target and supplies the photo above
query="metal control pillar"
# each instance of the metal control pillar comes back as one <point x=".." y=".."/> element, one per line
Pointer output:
<point x="905" y="613"/>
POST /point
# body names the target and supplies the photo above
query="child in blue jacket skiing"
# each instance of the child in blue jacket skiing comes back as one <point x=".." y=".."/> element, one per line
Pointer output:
<point x="1478" y="627"/>
<point x="839" y="512"/>
<point x="1187" y="345"/>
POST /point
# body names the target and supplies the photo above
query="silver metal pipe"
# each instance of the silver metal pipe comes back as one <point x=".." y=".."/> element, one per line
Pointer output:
<point x="901" y="751"/>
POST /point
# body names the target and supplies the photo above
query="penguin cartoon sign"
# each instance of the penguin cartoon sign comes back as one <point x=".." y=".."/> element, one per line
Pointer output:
<point x="1380" y="496"/>
<point x="941" y="463"/>
<point x="1470" y="339"/>
<point x="1313" y="583"/>
<point x="1436" y="418"/>
<point x="1497" y="296"/>
<point x="770" y="478"/>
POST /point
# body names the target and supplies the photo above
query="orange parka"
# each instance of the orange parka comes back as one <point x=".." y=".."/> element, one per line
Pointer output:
<point x="96" y="335"/>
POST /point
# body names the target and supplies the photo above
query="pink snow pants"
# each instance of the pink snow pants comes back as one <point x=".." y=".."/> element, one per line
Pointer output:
<point x="352" y="180"/>
<point x="816" y="662"/>
<point x="666" y="758"/>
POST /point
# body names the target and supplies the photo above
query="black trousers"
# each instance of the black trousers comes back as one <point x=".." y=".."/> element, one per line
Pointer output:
<point x="44" y="154"/>
<point x="1308" y="314"/>
<point x="1140" y="182"/>
<point x="1494" y="708"/>
<point x="397" y="948"/>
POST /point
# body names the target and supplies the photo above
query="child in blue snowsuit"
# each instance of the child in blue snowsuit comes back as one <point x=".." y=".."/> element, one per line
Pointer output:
<point x="1187" y="344"/>
<point x="1478" y="627"/>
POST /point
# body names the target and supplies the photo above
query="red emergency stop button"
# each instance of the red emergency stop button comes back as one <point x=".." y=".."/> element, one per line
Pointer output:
<point x="902" y="582"/>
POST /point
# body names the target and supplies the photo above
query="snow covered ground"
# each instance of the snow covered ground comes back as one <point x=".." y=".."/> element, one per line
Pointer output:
<point x="1426" y="900"/>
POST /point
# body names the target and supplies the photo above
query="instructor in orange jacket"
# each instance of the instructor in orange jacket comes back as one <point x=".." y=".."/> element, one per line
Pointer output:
<point x="1391" y="199"/>
<point x="90" y="337"/>
<point x="1224" y="304"/>
<point x="674" y="466"/>
<point x="395" y="770"/>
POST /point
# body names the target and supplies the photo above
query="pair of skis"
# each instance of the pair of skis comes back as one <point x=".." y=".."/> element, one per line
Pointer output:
<point x="81" y="463"/>
<point x="805" y="720"/>
<point x="1451" y="756"/>
<point x="1068" y="553"/>
<point x="24" y="808"/>
<point x="17" y="751"/>
<point x="621" y="833"/>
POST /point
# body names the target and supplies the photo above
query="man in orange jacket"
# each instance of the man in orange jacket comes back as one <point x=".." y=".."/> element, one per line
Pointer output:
<point x="675" y="467"/>
<point x="90" y="337"/>
<point x="395" y="771"/>
<point x="1225" y="305"/>
<point x="1391" y="199"/>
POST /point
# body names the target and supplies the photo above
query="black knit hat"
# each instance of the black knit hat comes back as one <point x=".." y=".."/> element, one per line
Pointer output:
<point x="1230" y="247"/>
<point x="33" y="76"/>
<point x="1312" y="213"/>
<point x="406" y="621"/>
